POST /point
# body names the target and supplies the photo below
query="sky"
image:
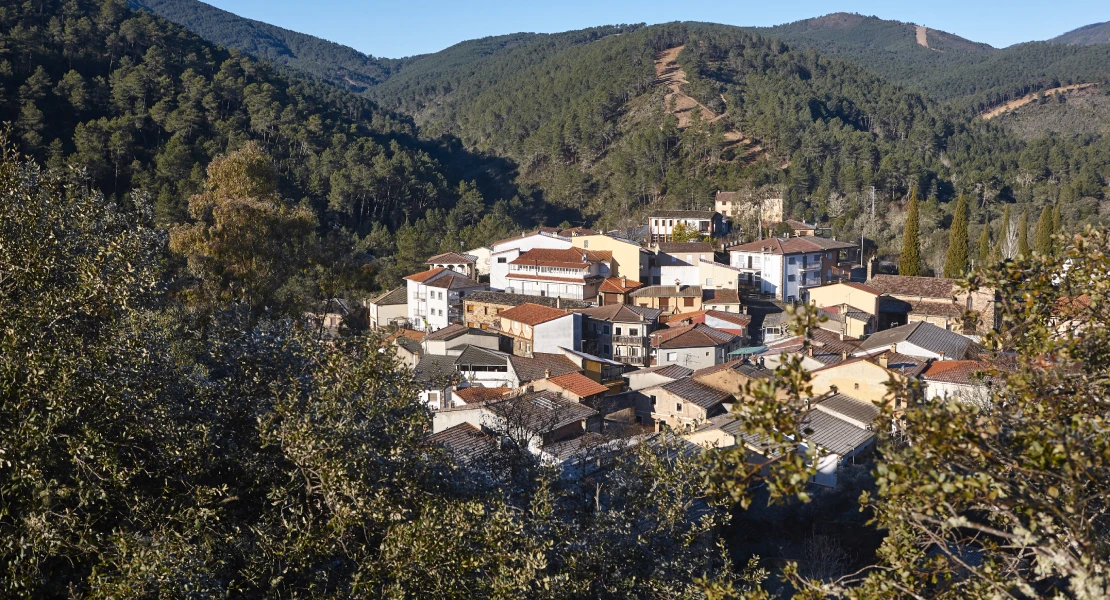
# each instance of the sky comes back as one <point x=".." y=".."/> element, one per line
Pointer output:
<point x="398" y="28"/>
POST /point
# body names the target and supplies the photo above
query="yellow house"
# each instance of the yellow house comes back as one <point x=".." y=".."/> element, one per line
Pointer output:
<point x="629" y="258"/>
<point x="865" y="378"/>
<point x="671" y="299"/>
<point x="863" y="297"/>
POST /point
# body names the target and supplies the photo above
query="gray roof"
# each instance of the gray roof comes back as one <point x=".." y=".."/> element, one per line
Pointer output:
<point x="395" y="296"/>
<point x="829" y="244"/>
<point x="672" y="371"/>
<point x="923" y="335"/>
<point x="507" y="299"/>
<point x="543" y="411"/>
<point x="834" y="434"/>
<point x="849" y="408"/>
<point x="621" y="313"/>
<point x="588" y="356"/>
<point x="584" y="446"/>
<point x="475" y="355"/>
<point x="697" y="392"/>
<point x="413" y="346"/>
<point x="435" y="369"/>
<point x="465" y="441"/>
<point x="669" y="291"/>
<point x="531" y="369"/>
<point x="455" y="330"/>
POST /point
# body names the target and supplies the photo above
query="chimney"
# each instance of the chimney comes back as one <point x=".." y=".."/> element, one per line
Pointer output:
<point x="744" y="309"/>
<point x="624" y="281"/>
<point x="870" y="267"/>
<point x="810" y="351"/>
<point x="558" y="301"/>
<point x="893" y="348"/>
<point x="942" y="355"/>
<point x="843" y="355"/>
<point x="677" y="285"/>
<point x="883" y="362"/>
<point x="547" y="373"/>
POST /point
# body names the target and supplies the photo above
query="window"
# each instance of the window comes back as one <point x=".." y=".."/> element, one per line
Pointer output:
<point x="605" y="329"/>
<point x="633" y="331"/>
<point x="689" y="259"/>
<point x="653" y="400"/>
<point x="857" y="386"/>
<point x="616" y="330"/>
<point x="708" y="282"/>
<point x="605" y="349"/>
<point x="502" y="260"/>
<point x="790" y="278"/>
<point x="585" y="243"/>
<point x="469" y="308"/>
<point x="672" y="356"/>
<point x="791" y="260"/>
<point x="678" y="407"/>
<point x="687" y="301"/>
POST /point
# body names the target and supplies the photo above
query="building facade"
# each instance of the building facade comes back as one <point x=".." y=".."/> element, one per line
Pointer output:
<point x="787" y="267"/>
<point x="435" y="297"/>
<point x="662" y="223"/>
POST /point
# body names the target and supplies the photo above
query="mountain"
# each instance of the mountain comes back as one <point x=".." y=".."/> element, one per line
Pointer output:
<point x="335" y="63"/>
<point x="1095" y="33"/>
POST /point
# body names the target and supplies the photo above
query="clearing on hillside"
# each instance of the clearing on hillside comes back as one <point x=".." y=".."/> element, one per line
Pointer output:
<point x="670" y="74"/>
<point x="922" y="36"/>
<point x="1011" y="105"/>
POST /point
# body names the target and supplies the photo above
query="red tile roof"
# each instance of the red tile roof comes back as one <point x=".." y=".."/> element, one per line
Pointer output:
<point x="579" y="385"/>
<point x="697" y="335"/>
<point x="614" y="285"/>
<point x="954" y="371"/>
<point x="905" y="285"/>
<point x="721" y="296"/>
<point x="735" y="319"/>
<point x="532" y="314"/>
<point x="423" y="276"/>
<point x="450" y="258"/>
<point x="570" y="258"/>
<point x="479" y="395"/>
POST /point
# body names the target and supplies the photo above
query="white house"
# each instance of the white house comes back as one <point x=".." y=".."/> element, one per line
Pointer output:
<point x="532" y="328"/>
<point x="662" y="223"/>
<point x="962" y="380"/>
<point x="693" y="346"/>
<point x="459" y="263"/>
<point x="572" y="273"/>
<point x="680" y="262"/>
<point x="481" y="256"/>
<point x="503" y="252"/>
<point x="920" y="340"/>
<point x="787" y="267"/>
<point x="388" y="309"/>
<point x="435" y="297"/>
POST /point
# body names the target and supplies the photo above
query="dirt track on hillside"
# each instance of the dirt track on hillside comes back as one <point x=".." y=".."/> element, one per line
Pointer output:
<point x="670" y="74"/>
<point x="1013" y="104"/>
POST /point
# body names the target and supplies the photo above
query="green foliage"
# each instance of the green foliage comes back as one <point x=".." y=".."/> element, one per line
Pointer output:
<point x="985" y="245"/>
<point x="1043" y="238"/>
<point x="909" y="262"/>
<point x="1007" y="238"/>
<point x="1023" y="235"/>
<point x="956" y="263"/>
<point x="683" y="233"/>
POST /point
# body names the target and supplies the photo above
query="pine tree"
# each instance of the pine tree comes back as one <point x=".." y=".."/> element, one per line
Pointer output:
<point x="1043" y="240"/>
<point x="910" y="261"/>
<point x="955" y="264"/>
<point x="1023" y="235"/>
<point x="1006" y="240"/>
<point x="985" y="245"/>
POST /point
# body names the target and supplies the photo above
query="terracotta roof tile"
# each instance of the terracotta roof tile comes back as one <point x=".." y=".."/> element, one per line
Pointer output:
<point x="480" y="395"/>
<point x="454" y="282"/>
<point x="904" y="285"/>
<point x="578" y="384"/>
<point x="614" y="285"/>
<point x="721" y="296"/>
<point x="571" y="258"/>
<point x="734" y="318"/>
<point x="691" y="336"/>
<point x="532" y="314"/>
<point x="423" y="276"/>
<point x="451" y="258"/>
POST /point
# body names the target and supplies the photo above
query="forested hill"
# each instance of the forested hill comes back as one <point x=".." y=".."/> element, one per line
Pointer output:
<point x="1095" y="33"/>
<point x="335" y="63"/>
<point x="972" y="75"/>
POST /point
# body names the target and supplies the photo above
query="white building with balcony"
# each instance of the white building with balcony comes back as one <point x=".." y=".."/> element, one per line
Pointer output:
<point x="573" y="273"/>
<point x="786" y="267"/>
<point x="505" y="251"/>
<point x="662" y="223"/>
<point x="435" y="297"/>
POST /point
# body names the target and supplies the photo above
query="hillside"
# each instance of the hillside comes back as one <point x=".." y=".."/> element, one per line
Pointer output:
<point x="332" y="62"/>
<point x="1095" y="33"/>
<point x="1084" y="112"/>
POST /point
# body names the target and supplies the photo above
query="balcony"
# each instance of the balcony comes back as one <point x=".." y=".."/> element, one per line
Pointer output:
<point x="632" y="360"/>
<point x="630" y="340"/>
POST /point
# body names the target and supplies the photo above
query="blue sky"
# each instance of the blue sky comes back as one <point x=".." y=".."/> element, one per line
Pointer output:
<point x="399" y="28"/>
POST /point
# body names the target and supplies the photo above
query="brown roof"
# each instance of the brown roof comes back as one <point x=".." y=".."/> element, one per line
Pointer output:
<point x="721" y="296"/>
<point x="506" y="299"/>
<point x="905" y="285"/>
<point x="936" y="309"/>
<point x="394" y="296"/>
<point x="532" y="314"/>
<point x="794" y="245"/>
<point x="412" y="334"/>
<point x="542" y="412"/>
<point x="684" y="247"/>
<point x="697" y="392"/>
<point x="668" y="291"/>
<point x="452" y="258"/>
<point x="698" y="335"/>
<point x="578" y="384"/>
<point x="613" y="284"/>
<point x="423" y="276"/>
<point x="454" y="282"/>
<point x="735" y="319"/>
<point x="796" y="225"/>
<point x="861" y="287"/>
<point x="570" y="258"/>
<point x="452" y="330"/>
<point x="954" y="371"/>
<point x="624" y="313"/>
<point x="480" y="395"/>
<point x="671" y="371"/>
<point x="537" y="367"/>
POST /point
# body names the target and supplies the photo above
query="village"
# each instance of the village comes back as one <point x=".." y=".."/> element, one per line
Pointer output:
<point x="588" y="340"/>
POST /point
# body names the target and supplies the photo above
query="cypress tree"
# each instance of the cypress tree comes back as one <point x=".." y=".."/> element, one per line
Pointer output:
<point x="1057" y="226"/>
<point x="1043" y="240"/>
<point x="910" y="261"/>
<point x="1023" y="235"/>
<point x="985" y="245"/>
<point x="1004" y="249"/>
<point x="955" y="264"/>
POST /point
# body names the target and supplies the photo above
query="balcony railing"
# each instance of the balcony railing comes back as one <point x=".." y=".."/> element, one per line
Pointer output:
<point x="632" y="340"/>
<point x="631" y="360"/>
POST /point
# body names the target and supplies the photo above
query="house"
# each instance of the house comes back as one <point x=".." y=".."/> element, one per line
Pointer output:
<point x="472" y="366"/>
<point x="736" y="324"/>
<point x="476" y="394"/>
<point x="787" y="267"/>
<point x="629" y="258"/>
<point x="481" y="256"/>
<point x="537" y="419"/>
<point x="661" y="224"/>
<point x="530" y="328"/>
<point x="776" y="326"/>
<point x="842" y="428"/>
<point x="620" y="332"/>
<point x="388" y="309"/>
<point x="608" y="373"/>
<point x="693" y="346"/>
<point x="669" y="299"/>
<point x="920" y="339"/>
<point x="574" y="386"/>
<point x="744" y="207"/>
<point x="967" y="381"/>
<point x="657" y="375"/>
<point x="682" y="403"/>
<point x="459" y="263"/>
<point x="934" y="300"/>
<point x="483" y="309"/>
<point x="847" y="321"/>
<point x="331" y="317"/>
<point x="437" y="376"/>
<point x="858" y="295"/>
<point x="454" y="337"/>
<point x="825" y="348"/>
<point x="866" y="378"/>
<point x="408" y="350"/>
<point x="540" y="366"/>
<point x="723" y="300"/>
<point x="502" y="252"/>
<point x="796" y="228"/>
<point x="467" y="443"/>
<point x="722" y="277"/>
<point x="570" y="273"/>
<point x="435" y="297"/>
<point x="731" y="376"/>
<point x="616" y="290"/>
<point x="680" y="262"/>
